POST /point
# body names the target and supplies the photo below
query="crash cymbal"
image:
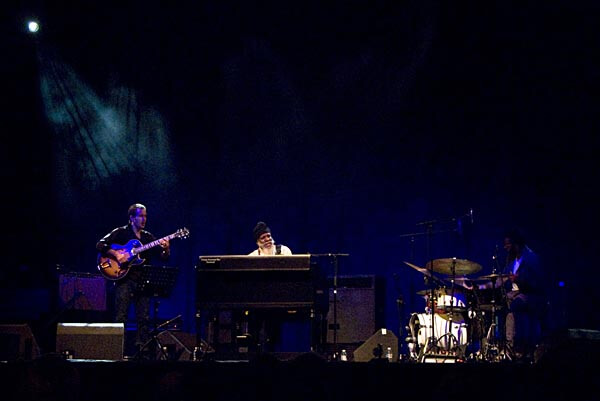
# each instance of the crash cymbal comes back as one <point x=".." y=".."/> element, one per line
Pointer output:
<point x="453" y="266"/>
<point x="427" y="273"/>
<point x="419" y="269"/>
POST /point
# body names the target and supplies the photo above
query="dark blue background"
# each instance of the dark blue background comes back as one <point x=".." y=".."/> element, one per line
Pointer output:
<point x="341" y="124"/>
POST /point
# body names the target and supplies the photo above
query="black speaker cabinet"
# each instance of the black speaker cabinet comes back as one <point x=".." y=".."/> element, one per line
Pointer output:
<point x="359" y="308"/>
<point x="376" y="345"/>
<point x="91" y="340"/>
<point x="17" y="342"/>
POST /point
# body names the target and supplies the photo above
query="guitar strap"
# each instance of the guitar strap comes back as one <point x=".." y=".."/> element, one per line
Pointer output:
<point x="277" y="249"/>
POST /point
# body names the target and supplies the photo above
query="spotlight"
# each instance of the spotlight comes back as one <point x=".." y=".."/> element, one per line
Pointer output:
<point x="33" y="26"/>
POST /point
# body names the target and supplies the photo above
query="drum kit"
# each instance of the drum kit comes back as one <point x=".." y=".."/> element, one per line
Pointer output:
<point x="460" y="320"/>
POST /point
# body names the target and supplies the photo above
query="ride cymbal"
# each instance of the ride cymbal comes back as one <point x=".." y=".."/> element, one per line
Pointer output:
<point x="453" y="266"/>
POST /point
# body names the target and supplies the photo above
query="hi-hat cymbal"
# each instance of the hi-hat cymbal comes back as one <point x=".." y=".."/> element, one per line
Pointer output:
<point x="492" y="277"/>
<point x="442" y="291"/>
<point x="453" y="266"/>
<point x="490" y="307"/>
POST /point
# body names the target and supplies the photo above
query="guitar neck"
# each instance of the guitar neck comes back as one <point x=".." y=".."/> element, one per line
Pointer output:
<point x="152" y="244"/>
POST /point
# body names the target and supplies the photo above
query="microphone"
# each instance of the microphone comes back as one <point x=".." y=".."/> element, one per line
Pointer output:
<point x="471" y="214"/>
<point x="168" y="322"/>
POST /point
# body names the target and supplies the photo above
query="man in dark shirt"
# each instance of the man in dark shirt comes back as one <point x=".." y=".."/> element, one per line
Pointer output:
<point x="121" y="266"/>
<point x="526" y="296"/>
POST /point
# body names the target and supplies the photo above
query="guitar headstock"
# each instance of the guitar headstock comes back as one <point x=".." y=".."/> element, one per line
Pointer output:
<point x="182" y="233"/>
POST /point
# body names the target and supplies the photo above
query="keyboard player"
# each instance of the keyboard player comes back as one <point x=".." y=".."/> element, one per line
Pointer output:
<point x="266" y="243"/>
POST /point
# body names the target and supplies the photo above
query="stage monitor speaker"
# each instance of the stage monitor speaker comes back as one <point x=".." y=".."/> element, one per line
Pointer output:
<point x="82" y="291"/>
<point x="376" y="346"/>
<point x="17" y="342"/>
<point x="91" y="340"/>
<point x="359" y="308"/>
<point x="570" y="346"/>
<point x="179" y="345"/>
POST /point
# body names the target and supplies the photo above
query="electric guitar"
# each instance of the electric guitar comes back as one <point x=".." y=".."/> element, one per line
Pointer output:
<point x="111" y="269"/>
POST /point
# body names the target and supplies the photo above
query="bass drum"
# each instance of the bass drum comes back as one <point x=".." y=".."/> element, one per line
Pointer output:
<point x="449" y="334"/>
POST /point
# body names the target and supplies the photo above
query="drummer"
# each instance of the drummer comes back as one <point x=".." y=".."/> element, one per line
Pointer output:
<point x="523" y="280"/>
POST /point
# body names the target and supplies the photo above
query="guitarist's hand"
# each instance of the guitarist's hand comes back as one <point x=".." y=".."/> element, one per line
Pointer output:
<point x="164" y="243"/>
<point x="119" y="256"/>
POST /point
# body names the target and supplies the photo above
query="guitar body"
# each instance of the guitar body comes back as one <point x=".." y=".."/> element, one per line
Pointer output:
<point x="111" y="269"/>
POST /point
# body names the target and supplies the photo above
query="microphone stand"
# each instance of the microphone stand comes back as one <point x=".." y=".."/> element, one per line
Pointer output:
<point x="334" y="326"/>
<point x="154" y="339"/>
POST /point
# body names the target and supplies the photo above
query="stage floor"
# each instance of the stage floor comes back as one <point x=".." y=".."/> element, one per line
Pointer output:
<point x="304" y="377"/>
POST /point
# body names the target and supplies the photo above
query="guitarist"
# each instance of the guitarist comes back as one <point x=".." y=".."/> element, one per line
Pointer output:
<point x="125" y="289"/>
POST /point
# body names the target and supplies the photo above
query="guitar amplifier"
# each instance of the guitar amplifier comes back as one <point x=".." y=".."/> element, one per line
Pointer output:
<point x="82" y="291"/>
<point x="359" y="305"/>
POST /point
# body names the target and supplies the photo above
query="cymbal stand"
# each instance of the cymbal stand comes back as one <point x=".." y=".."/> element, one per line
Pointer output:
<point x="493" y="348"/>
<point x="451" y="316"/>
<point x="504" y="299"/>
<point x="431" y="344"/>
<point x="491" y="345"/>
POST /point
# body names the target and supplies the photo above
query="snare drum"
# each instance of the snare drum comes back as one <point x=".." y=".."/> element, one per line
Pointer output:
<point x="444" y="300"/>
